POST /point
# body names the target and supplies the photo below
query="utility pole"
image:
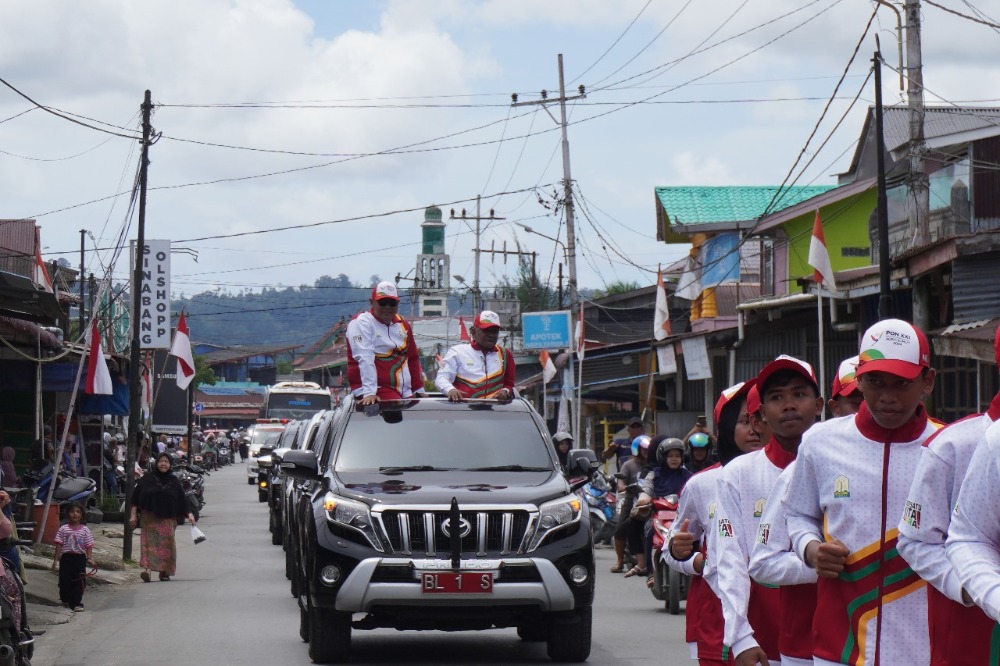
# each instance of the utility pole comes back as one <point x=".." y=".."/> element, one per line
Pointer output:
<point x="574" y="296"/>
<point x="918" y="201"/>
<point x="882" y="205"/>
<point x="477" y="299"/>
<point x="134" y="379"/>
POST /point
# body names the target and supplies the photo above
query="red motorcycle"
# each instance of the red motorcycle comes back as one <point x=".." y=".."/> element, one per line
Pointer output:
<point x="669" y="585"/>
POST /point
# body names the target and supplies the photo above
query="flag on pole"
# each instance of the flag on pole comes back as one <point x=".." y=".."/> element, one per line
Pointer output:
<point x="41" y="273"/>
<point x="579" y="339"/>
<point x="181" y="348"/>
<point x="689" y="284"/>
<point x="548" y="367"/>
<point x="98" y="376"/>
<point x="463" y="332"/>
<point x="661" y="316"/>
<point x="147" y="388"/>
<point x="819" y="256"/>
<point x="562" y="420"/>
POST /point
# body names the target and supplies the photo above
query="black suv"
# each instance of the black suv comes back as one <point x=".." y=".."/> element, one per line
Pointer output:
<point x="428" y="514"/>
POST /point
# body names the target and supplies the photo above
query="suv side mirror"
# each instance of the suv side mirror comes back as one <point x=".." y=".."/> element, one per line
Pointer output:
<point x="300" y="465"/>
<point x="581" y="462"/>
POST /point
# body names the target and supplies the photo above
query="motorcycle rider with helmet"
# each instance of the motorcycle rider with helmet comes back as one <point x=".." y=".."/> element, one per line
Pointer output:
<point x="631" y="521"/>
<point x="667" y="478"/>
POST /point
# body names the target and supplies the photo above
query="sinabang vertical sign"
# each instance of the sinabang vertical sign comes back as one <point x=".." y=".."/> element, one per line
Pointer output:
<point x="154" y="296"/>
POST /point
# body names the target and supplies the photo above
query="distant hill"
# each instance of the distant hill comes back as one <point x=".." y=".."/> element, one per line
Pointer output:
<point x="292" y="315"/>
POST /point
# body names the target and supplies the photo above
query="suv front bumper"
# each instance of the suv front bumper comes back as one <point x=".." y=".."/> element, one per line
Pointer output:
<point x="360" y="593"/>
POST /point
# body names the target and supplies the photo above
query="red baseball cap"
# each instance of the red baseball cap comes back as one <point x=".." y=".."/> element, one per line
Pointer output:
<point x="845" y="383"/>
<point x="753" y="400"/>
<point x="734" y="392"/>
<point x="894" y="346"/>
<point x="487" y="319"/>
<point x="996" y="346"/>
<point x="785" y="362"/>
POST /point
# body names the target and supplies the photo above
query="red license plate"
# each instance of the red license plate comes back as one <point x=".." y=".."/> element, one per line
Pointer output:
<point x="456" y="583"/>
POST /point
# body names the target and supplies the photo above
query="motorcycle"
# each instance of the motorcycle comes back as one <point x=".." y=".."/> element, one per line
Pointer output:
<point x="193" y="484"/>
<point x="17" y="645"/>
<point x="67" y="488"/>
<point x="225" y="455"/>
<point x="669" y="585"/>
<point x="601" y="501"/>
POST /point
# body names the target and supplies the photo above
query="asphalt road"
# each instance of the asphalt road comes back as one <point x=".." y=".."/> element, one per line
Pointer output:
<point x="230" y="604"/>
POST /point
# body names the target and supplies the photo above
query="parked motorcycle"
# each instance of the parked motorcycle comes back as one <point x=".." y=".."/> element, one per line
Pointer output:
<point x="17" y="645"/>
<point x="601" y="500"/>
<point x="67" y="488"/>
<point x="669" y="585"/>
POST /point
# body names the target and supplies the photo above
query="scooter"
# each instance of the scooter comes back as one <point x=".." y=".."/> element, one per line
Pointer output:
<point x="669" y="585"/>
<point x="601" y="502"/>
<point x="17" y="645"/>
<point x="67" y="488"/>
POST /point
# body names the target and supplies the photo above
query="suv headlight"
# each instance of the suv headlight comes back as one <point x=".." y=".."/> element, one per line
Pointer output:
<point x="554" y="516"/>
<point x="352" y="515"/>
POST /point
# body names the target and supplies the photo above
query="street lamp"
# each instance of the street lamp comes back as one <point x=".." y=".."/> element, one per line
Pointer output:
<point x="538" y="233"/>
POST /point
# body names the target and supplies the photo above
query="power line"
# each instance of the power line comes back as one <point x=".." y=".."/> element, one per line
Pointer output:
<point x="64" y="116"/>
<point x="965" y="16"/>
<point x="613" y="44"/>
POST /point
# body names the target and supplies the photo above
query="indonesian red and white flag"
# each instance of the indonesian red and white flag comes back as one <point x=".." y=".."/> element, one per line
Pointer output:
<point x="181" y="348"/>
<point x="41" y="273"/>
<point x="819" y="257"/>
<point x="661" y="315"/>
<point x="463" y="332"/>
<point x="579" y="340"/>
<point x="548" y="367"/>
<point x="98" y="376"/>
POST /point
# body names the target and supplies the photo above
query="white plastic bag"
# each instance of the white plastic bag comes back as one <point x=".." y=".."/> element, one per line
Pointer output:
<point x="197" y="535"/>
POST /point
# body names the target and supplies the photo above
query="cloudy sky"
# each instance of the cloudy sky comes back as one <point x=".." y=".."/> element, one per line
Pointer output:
<point x="346" y="119"/>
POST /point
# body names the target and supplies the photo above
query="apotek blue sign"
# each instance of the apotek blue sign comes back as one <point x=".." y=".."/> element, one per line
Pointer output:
<point x="546" y="330"/>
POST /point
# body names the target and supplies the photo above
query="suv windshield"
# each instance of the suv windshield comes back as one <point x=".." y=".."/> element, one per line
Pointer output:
<point x="427" y="440"/>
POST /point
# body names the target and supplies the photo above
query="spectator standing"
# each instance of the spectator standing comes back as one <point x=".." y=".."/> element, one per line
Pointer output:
<point x="159" y="504"/>
<point x="74" y="553"/>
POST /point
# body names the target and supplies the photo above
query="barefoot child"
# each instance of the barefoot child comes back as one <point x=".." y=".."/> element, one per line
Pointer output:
<point x="74" y="552"/>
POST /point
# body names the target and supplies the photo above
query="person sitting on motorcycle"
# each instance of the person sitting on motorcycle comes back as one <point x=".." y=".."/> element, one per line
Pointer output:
<point x="210" y="454"/>
<point x="108" y="465"/>
<point x="564" y="442"/>
<point x="631" y="521"/>
<point x="667" y="478"/>
<point x="699" y="453"/>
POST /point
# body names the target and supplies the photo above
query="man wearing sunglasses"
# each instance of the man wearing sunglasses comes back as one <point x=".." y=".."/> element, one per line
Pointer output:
<point x="383" y="362"/>
<point x="478" y="369"/>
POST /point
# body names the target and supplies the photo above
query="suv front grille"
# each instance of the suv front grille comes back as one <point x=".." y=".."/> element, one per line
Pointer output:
<point x="427" y="532"/>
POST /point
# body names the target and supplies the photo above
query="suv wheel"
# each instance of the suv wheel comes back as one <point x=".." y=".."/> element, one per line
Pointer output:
<point x="569" y="635"/>
<point x="329" y="635"/>
<point x="275" y="529"/>
<point x="251" y="481"/>
<point x="303" y="622"/>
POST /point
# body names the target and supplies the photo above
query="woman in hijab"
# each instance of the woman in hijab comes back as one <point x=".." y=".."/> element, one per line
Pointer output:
<point x="160" y="501"/>
<point x="8" y="475"/>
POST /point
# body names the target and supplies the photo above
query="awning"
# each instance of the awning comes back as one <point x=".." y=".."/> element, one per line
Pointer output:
<point x="970" y="340"/>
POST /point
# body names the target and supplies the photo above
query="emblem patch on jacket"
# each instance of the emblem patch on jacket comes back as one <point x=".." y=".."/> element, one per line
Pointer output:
<point x="758" y="507"/>
<point x="911" y="514"/>
<point x="725" y="528"/>
<point x="841" y="487"/>
<point x="763" y="533"/>
<point x="711" y="511"/>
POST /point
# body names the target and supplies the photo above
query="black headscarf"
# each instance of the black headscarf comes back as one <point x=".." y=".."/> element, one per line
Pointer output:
<point x="160" y="493"/>
<point x="731" y="413"/>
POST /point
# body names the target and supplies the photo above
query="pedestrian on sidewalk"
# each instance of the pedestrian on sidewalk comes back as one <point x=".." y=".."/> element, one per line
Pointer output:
<point x="74" y="553"/>
<point x="162" y="503"/>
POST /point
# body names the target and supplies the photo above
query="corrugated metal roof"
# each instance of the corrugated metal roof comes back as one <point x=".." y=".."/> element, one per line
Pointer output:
<point x="240" y="353"/>
<point x="938" y="122"/>
<point x="706" y="204"/>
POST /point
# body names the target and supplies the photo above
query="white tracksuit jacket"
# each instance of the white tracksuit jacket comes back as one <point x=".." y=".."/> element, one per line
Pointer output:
<point x="960" y="635"/>
<point x="751" y="610"/>
<point x="843" y="472"/>
<point x="704" y="617"/>
<point x="974" y="538"/>
<point x="773" y="562"/>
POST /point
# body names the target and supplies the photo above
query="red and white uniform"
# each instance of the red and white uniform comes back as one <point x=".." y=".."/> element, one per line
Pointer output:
<point x="751" y="610"/>
<point x="850" y="482"/>
<point x="773" y="562"/>
<point x="382" y="359"/>
<point x="960" y="635"/>
<point x="476" y="372"/>
<point x="703" y="612"/>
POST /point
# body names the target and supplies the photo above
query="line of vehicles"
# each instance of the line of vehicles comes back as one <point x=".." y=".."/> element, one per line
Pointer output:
<point x="427" y="514"/>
